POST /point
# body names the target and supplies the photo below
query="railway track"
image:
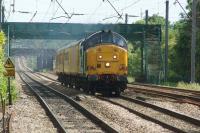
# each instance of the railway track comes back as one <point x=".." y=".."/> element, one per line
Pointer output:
<point x="181" y="117"/>
<point x="47" y="77"/>
<point x="65" y="113"/>
<point x="52" y="116"/>
<point x="183" y="96"/>
<point x="156" y="114"/>
<point x="191" y="124"/>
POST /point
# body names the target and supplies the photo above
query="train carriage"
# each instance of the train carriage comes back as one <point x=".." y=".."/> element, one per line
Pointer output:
<point x="96" y="64"/>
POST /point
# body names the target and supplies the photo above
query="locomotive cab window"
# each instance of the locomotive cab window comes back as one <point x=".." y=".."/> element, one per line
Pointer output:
<point x="106" y="37"/>
<point x="93" y="40"/>
<point x="102" y="37"/>
<point x="119" y="40"/>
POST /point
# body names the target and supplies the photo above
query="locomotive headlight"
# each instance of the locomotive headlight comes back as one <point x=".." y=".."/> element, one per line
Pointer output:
<point x="114" y="57"/>
<point x="100" y="56"/>
<point x="107" y="64"/>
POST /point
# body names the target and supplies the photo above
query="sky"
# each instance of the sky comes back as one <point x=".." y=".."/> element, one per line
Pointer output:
<point x="93" y="11"/>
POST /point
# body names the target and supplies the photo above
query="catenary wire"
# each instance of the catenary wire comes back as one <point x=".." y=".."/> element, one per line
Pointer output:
<point x="53" y="15"/>
<point x="94" y="12"/>
<point x="132" y="4"/>
<point x="47" y="11"/>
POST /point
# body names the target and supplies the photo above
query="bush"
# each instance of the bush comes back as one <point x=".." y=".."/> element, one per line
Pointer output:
<point x="3" y="80"/>
<point x="174" y="77"/>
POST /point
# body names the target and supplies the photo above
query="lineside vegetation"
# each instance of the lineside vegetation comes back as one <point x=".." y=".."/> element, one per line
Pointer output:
<point x="3" y="79"/>
<point x="180" y="34"/>
<point x="179" y="58"/>
<point x="189" y="86"/>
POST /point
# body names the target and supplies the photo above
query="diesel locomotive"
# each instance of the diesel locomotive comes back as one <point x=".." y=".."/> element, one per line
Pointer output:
<point x="97" y="63"/>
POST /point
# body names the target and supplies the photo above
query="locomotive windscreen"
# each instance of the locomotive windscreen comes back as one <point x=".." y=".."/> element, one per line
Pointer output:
<point x="104" y="37"/>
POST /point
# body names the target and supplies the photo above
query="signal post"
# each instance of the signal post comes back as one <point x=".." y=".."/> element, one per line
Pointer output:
<point x="10" y="72"/>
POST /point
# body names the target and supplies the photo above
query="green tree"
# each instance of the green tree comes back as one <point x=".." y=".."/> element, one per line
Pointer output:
<point x="155" y="19"/>
<point x="159" y="20"/>
<point x="182" y="55"/>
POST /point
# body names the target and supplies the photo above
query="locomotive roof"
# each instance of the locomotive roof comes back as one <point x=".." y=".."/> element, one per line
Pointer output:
<point x="69" y="45"/>
<point x="98" y="38"/>
<point x="103" y="32"/>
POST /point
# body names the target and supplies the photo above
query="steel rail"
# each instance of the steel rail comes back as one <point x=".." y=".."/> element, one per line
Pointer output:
<point x="167" y="88"/>
<point x="47" y="77"/>
<point x="179" y="98"/>
<point x="163" y="110"/>
<point x="104" y="126"/>
<point x="183" y="98"/>
<point x="31" y="71"/>
<point x="47" y="109"/>
<point x="157" y="108"/>
<point x="169" y="95"/>
<point x="144" y="116"/>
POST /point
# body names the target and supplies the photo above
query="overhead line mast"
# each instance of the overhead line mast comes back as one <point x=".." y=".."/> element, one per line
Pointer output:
<point x="13" y="6"/>
<point x="166" y="39"/>
<point x="193" y="44"/>
<point x="0" y="11"/>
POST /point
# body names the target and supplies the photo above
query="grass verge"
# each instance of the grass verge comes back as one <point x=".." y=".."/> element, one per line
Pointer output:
<point x="189" y="86"/>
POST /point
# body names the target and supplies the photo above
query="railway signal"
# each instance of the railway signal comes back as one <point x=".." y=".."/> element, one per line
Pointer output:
<point x="10" y="72"/>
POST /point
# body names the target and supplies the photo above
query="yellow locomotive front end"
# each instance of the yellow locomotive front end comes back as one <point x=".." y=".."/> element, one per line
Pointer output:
<point x="106" y="63"/>
<point x="107" y="59"/>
